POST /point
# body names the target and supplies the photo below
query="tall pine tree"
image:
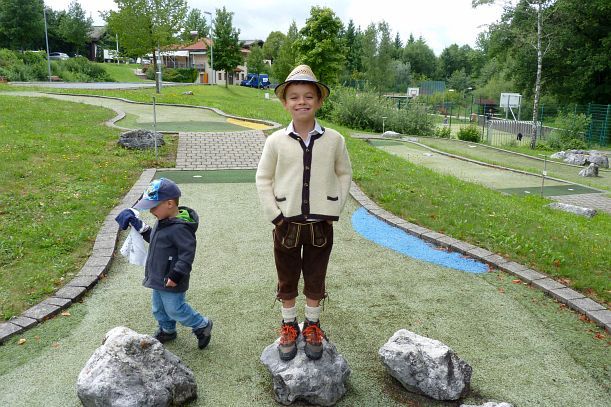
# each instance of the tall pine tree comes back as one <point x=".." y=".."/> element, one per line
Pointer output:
<point x="227" y="55"/>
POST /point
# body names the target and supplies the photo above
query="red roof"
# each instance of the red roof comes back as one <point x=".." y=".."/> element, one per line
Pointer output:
<point x="200" y="45"/>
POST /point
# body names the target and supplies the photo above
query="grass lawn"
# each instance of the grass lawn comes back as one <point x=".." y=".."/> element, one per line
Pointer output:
<point x="493" y="156"/>
<point x="62" y="171"/>
<point x="123" y="72"/>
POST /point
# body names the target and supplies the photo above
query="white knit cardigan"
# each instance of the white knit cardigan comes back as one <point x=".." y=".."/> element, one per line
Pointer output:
<point x="296" y="182"/>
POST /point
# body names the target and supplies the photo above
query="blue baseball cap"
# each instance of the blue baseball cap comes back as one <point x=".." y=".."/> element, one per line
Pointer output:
<point x="158" y="190"/>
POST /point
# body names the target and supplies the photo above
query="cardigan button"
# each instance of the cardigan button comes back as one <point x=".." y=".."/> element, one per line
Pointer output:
<point x="307" y="168"/>
<point x="305" y="201"/>
<point x="306" y="185"/>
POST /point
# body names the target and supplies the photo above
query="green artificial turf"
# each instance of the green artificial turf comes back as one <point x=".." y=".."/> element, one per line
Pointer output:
<point x="524" y="347"/>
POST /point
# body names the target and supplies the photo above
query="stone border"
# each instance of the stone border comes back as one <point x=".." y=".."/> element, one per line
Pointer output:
<point x="596" y="312"/>
<point x="95" y="268"/>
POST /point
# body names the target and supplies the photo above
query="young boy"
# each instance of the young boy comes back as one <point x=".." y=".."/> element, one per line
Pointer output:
<point x="170" y="257"/>
<point x="303" y="180"/>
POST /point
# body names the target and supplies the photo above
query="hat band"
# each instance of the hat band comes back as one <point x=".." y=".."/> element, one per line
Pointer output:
<point x="302" y="77"/>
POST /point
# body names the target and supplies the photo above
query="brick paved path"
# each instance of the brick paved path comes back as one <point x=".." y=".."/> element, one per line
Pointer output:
<point x="213" y="151"/>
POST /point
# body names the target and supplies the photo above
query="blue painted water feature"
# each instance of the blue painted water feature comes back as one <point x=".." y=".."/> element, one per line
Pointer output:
<point x="380" y="232"/>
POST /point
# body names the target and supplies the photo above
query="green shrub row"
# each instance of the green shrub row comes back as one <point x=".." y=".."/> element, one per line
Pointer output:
<point x="370" y="112"/>
<point x="570" y="132"/>
<point x="469" y="133"/>
<point x="32" y="66"/>
<point x="182" y="75"/>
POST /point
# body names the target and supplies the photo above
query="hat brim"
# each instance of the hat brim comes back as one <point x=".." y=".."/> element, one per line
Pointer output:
<point x="145" y="204"/>
<point x="324" y="89"/>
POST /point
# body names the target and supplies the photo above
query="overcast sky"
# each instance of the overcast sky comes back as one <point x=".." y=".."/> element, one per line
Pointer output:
<point x="440" y="22"/>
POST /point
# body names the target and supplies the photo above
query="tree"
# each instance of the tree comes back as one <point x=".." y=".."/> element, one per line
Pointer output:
<point x="398" y="49"/>
<point x="420" y="56"/>
<point x="227" y="50"/>
<point x="287" y="55"/>
<point x="321" y="45"/>
<point x="384" y="73"/>
<point x="145" y="25"/>
<point x="195" y="21"/>
<point x="75" y="27"/>
<point x="369" y="47"/>
<point x="22" y="24"/>
<point x="255" y="60"/>
<point x="271" y="46"/>
<point x="539" y="10"/>
<point x="354" y="50"/>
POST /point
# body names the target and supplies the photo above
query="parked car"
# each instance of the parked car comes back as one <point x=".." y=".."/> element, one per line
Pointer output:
<point x="58" y="56"/>
<point x="254" y="80"/>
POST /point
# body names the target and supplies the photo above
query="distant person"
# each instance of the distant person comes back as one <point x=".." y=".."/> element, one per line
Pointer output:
<point x="169" y="261"/>
<point x="445" y="120"/>
<point x="303" y="180"/>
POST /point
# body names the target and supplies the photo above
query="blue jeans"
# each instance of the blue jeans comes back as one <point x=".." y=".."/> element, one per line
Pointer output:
<point x="169" y="308"/>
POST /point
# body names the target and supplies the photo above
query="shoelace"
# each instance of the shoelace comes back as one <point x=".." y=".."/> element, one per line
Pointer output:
<point x="313" y="334"/>
<point x="288" y="334"/>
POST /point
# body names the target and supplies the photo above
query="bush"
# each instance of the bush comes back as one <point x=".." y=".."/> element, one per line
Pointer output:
<point x="570" y="133"/>
<point x="364" y="111"/>
<point x="443" y="132"/>
<point x="469" y="133"/>
<point x="79" y="69"/>
<point x="182" y="75"/>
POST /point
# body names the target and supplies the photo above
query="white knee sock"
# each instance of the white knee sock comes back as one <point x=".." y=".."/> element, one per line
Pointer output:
<point x="289" y="314"/>
<point x="312" y="313"/>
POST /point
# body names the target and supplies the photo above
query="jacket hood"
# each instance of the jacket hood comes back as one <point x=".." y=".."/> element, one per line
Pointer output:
<point x="193" y="224"/>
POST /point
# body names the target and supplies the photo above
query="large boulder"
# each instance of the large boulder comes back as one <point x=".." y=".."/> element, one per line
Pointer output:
<point x="131" y="369"/>
<point x="575" y="158"/>
<point x="488" y="404"/>
<point x="425" y="366"/>
<point x="140" y="139"/>
<point x="590" y="171"/>
<point x="577" y="210"/>
<point x="560" y="155"/>
<point x="598" y="158"/>
<point x="321" y="382"/>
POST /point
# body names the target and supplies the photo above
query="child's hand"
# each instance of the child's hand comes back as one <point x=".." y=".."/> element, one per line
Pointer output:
<point x="170" y="283"/>
<point x="128" y="217"/>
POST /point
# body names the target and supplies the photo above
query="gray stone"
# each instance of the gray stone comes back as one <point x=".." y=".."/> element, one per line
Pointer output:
<point x="577" y="210"/>
<point x="590" y="171"/>
<point x="131" y="369"/>
<point x="321" y="382"/>
<point x="575" y="159"/>
<point x="7" y="330"/>
<point x="488" y="404"/>
<point x="71" y="292"/>
<point x="425" y="366"/>
<point x="598" y="158"/>
<point x="560" y="155"/>
<point x="23" y="322"/>
<point x="41" y="311"/>
<point x="389" y="133"/>
<point x="141" y="139"/>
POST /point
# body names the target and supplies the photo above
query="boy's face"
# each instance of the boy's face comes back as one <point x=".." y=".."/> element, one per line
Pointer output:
<point x="165" y="209"/>
<point x="301" y="101"/>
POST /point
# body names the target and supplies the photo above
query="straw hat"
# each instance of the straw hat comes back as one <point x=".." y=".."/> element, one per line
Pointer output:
<point x="302" y="73"/>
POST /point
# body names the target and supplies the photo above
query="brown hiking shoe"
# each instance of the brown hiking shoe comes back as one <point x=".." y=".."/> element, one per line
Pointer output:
<point x="287" y="348"/>
<point x="313" y="336"/>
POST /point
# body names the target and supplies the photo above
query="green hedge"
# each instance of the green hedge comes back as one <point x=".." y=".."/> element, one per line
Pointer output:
<point x="182" y="75"/>
<point x="365" y="110"/>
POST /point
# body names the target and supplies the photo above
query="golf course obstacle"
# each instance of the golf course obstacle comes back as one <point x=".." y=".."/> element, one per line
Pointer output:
<point x="131" y="369"/>
<point x="321" y="382"/>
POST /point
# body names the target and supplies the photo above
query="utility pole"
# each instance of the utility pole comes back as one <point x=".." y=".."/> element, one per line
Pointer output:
<point x="44" y="12"/>
<point x="211" y="49"/>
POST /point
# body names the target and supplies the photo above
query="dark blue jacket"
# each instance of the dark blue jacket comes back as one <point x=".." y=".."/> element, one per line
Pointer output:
<point x="171" y="252"/>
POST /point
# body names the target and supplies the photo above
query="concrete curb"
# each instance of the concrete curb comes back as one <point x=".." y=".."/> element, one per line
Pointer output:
<point x="596" y="312"/>
<point x="95" y="268"/>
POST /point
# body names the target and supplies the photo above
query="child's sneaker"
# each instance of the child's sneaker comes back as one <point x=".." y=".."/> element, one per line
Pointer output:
<point x="313" y="336"/>
<point x="203" y="335"/>
<point x="164" y="337"/>
<point x="287" y="348"/>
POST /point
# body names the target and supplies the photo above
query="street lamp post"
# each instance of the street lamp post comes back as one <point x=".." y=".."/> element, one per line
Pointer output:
<point x="211" y="49"/>
<point x="383" y="120"/>
<point x="44" y="12"/>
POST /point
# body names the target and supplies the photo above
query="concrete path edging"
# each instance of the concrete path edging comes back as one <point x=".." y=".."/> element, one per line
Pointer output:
<point x="596" y="312"/>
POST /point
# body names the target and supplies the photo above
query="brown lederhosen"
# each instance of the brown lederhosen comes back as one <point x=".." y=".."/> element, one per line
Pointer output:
<point x="316" y="240"/>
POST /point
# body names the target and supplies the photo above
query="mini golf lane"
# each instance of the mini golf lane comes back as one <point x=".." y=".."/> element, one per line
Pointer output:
<point x="501" y="180"/>
<point x="168" y="118"/>
<point x="380" y="232"/>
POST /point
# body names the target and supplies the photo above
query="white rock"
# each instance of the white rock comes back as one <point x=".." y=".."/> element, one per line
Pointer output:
<point x="577" y="210"/>
<point x="426" y="366"/>
<point x="321" y="382"/>
<point x="131" y="369"/>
